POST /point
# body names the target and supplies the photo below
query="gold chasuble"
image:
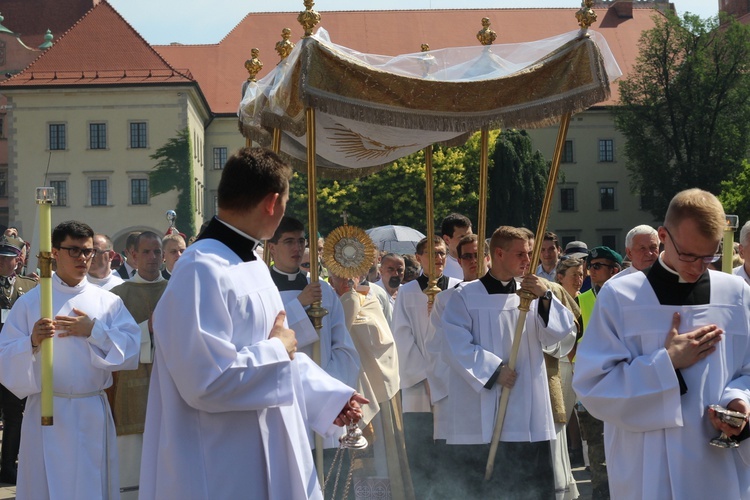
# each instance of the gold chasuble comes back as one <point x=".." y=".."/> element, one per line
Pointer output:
<point x="129" y="392"/>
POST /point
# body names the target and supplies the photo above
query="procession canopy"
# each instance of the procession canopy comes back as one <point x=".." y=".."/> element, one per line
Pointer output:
<point x="373" y="109"/>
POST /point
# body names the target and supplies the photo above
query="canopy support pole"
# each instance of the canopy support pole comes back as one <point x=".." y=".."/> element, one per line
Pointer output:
<point x="483" y="187"/>
<point x="526" y="297"/>
<point x="316" y="312"/>
<point x="432" y="288"/>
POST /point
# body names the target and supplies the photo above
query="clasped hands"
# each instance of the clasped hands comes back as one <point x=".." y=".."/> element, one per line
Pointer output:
<point x="80" y="325"/>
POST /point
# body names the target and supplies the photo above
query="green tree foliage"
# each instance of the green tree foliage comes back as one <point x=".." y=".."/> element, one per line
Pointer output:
<point x="174" y="171"/>
<point x="684" y="108"/>
<point x="396" y="195"/>
<point x="735" y="194"/>
<point x="518" y="182"/>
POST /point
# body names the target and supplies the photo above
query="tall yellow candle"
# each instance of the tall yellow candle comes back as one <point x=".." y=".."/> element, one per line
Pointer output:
<point x="733" y="222"/>
<point x="45" y="196"/>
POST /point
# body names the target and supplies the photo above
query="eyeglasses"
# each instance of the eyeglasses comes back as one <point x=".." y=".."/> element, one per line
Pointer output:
<point x="688" y="257"/>
<point x="76" y="252"/>
<point x="305" y="265"/>
<point x="468" y="256"/>
<point x="598" y="265"/>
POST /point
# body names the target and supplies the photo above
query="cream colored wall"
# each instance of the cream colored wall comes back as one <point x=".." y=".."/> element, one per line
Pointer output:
<point x="221" y="133"/>
<point x="196" y="121"/>
<point x="588" y="222"/>
<point x="165" y="110"/>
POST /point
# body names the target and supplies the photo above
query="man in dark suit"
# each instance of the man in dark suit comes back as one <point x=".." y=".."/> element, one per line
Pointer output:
<point x="126" y="270"/>
<point x="12" y="286"/>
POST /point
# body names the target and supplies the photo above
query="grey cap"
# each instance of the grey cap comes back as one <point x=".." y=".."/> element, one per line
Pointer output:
<point x="577" y="250"/>
<point x="10" y="246"/>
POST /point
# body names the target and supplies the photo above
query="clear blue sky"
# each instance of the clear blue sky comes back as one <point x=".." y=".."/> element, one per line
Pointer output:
<point x="198" y="21"/>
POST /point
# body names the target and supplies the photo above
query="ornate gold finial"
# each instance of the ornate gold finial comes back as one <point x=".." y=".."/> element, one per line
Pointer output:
<point x="428" y="60"/>
<point x="253" y="65"/>
<point x="486" y="35"/>
<point x="308" y="18"/>
<point x="284" y="46"/>
<point x="586" y="17"/>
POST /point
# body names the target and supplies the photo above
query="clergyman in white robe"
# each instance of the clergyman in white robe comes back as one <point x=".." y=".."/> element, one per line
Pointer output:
<point x="657" y="439"/>
<point x="76" y="457"/>
<point x="339" y="357"/>
<point x="228" y="410"/>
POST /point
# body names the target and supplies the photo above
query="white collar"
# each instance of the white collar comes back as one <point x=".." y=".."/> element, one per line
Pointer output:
<point x="255" y="241"/>
<point x="137" y="278"/>
<point x="290" y="276"/>
<point x="665" y="266"/>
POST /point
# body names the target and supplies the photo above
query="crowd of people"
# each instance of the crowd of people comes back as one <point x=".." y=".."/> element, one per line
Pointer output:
<point x="184" y="369"/>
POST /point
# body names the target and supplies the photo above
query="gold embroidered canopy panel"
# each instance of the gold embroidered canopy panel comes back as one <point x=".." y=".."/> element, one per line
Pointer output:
<point x="373" y="109"/>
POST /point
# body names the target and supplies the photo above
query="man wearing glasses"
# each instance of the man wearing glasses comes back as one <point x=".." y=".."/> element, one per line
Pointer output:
<point x="660" y="347"/>
<point x="94" y="335"/>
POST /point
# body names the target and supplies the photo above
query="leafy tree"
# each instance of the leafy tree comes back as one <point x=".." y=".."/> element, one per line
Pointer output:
<point x="174" y="171"/>
<point x="684" y="108"/>
<point x="518" y="182"/>
<point x="735" y="195"/>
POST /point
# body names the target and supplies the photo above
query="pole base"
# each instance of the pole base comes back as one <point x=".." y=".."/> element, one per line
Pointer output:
<point x="47" y="421"/>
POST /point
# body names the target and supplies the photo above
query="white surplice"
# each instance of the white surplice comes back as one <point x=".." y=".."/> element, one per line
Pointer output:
<point x="444" y="380"/>
<point x="656" y="440"/>
<point x="742" y="273"/>
<point x="227" y="409"/>
<point x="410" y="331"/>
<point x="77" y="456"/>
<point x="338" y="356"/>
<point x="479" y="330"/>
<point x="108" y="282"/>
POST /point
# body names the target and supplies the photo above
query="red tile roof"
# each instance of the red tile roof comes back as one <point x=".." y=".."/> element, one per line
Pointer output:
<point x="219" y="68"/>
<point x="100" y="49"/>
<point x="32" y="18"/>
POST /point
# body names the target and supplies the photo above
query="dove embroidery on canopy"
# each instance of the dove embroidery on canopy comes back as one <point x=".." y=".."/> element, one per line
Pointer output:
<point x="355" y="145"/>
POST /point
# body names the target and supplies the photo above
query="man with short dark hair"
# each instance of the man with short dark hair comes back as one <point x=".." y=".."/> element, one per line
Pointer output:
<point x="230" y="402"/>
<point x="453" y="228"/>
<point x="659" y="349"/>
<point x="549" y="256"/>
<point x="128" y="268"/>
<point x="94" y="336"/>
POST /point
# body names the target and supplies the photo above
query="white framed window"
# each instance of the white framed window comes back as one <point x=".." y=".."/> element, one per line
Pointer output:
<point x="138" y="135"/>
<point x="139" y="191"/>
<point x="220" y="158"/>
<point x="97" y="135"/>
<point x="606" y="150"/>
<point x="57" y="138"/>
<point x="61" y="192"/>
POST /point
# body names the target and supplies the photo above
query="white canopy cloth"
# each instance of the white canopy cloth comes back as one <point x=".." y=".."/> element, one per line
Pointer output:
<point x="373" y="109"/>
